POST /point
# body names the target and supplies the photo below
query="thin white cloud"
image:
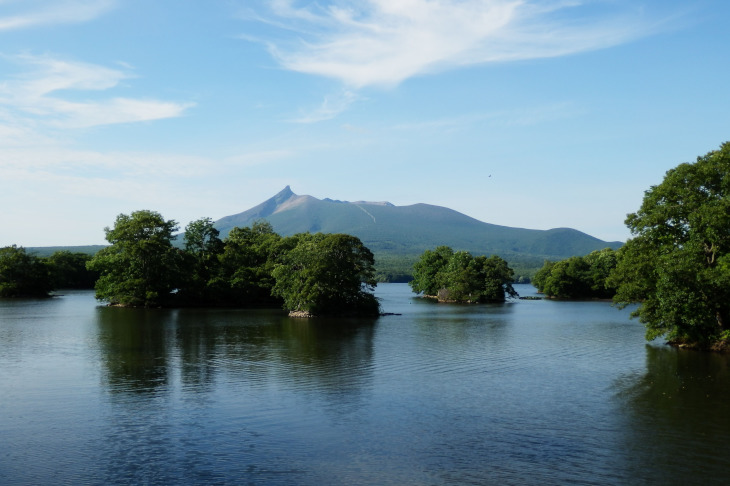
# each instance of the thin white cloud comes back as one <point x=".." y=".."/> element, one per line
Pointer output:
<point x="384" y="42"/>
<point x="117" y="110"/>
<point x="331" y="106"/>
<point x="32" y="13"/>
<point x="40" y="96"/>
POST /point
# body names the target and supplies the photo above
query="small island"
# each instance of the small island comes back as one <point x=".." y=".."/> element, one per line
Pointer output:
<point x="307" y="274"/>
<point x="458" y="277"/>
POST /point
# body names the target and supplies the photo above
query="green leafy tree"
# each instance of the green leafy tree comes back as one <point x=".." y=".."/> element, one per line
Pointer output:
<point x="247" y="263"/>
<point x="327" y="274"/>
<point x="461" y="277"/>
<point x="497" y="277"/>
<point x="578" y="277"/>
<point x="69" y="271"/>
<point x="22" y="274"/>
<point x="601" y="263"/>
<point x="569" y="278"/>
<point x="141" y="267"/>
<point x="541" y="276"/>
<point x="677" y="264"/>
<point x="428" y="271"/>
<point x="203" y="248"/>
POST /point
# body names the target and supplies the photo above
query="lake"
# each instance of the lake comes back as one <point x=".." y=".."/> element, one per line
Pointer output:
<point x="527" y="392"/>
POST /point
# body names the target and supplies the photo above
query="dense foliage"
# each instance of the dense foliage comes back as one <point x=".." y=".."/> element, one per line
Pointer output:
<point x="23" y="274"/>
<point x="677" y="264"/>
<point x="325" y="274"/>
<point x="140" y="267"/>
<point x="460" y="277"/>
<point x="316" y="274"/>
<point x="247" y="265"/>
<point x="68" y="270"/>
<point x="578" y="277"/>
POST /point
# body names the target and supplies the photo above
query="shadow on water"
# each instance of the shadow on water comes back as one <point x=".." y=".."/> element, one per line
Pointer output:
<point x="677" y="411"/>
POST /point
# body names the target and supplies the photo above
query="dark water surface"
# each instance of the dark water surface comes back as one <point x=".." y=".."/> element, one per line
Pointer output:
<point x="530" y="392"/>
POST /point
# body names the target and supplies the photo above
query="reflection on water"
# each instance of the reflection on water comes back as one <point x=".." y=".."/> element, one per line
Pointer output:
<point x="218" y="389"/>
<point x="528" y="392"/>
<point x="143" y="348"/>
<point x="134" y="347"/>
<point x="680" y="402"/>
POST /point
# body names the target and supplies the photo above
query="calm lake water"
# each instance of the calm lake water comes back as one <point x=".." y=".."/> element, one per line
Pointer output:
<point x="529" y="392"/>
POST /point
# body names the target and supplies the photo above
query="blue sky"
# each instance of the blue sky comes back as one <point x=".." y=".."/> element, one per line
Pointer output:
<point x="527" y="113"/>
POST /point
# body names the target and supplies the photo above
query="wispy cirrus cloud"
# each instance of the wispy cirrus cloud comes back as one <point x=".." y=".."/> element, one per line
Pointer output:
<point x="330" y="107"/>
<point x="20" y="14"/>
<point x="384" y="42"/>
<point x="47" y="93"/>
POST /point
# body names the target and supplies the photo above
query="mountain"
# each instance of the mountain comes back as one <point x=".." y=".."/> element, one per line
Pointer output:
<point x="406" y="231"/>
<point x="398" y="235"/>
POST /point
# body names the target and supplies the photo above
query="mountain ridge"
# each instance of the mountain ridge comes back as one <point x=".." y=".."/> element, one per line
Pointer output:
<point x="398" y="235"/>
<point x="392" y="231"/>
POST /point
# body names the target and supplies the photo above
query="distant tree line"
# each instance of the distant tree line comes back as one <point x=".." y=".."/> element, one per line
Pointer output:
<point x="24" y="274"/>
<point x="458" y="276"/>
<point x="578" y="277"/>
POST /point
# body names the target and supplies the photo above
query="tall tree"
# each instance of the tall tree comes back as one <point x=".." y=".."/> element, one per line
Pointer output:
<point x="428" y="271"/>
<point x="247" y="263"/>
<point x="569" y="279"/>
<point x="677" y="265"/>
<point x="497" y="277"/>
<point x="141" y="267"/>
<point x="203" y="248"/>
<point x="69" y="271"/>
<point x="327" y="274"/>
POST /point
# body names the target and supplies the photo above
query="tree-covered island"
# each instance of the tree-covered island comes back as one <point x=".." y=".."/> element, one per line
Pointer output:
<point x="578" y="277"/>
<point x="307" y="274"/>
<point x="450" y="276"/>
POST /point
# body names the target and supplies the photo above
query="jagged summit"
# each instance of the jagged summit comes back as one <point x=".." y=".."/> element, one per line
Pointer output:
<point x="409" y="230"/>
<point x="284" y="200"/>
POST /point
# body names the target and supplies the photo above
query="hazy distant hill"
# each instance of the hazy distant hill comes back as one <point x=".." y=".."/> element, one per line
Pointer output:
<point x="391" y="231"/>
<point x="46" y="251"/>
